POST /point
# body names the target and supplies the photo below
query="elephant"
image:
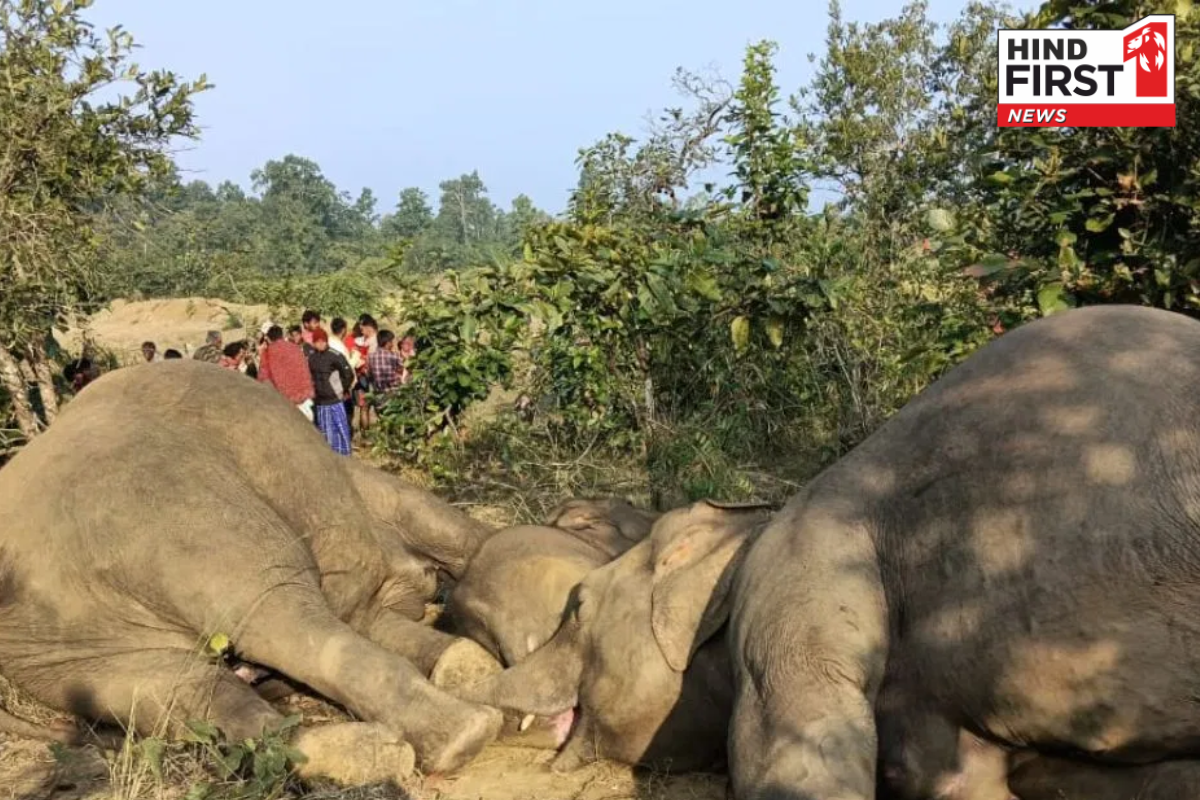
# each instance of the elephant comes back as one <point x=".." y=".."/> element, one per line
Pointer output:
<point x="991" y="595"/>
<point x="624" y="667"/>
<point x="511" y="597"/>
<point x="1014" y="554"/>
<point x="176" y="504"/>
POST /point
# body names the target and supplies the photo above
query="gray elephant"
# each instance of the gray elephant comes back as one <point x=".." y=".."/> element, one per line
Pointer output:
<point x="1016" y="554"/>
<point x="626" y="666"/>
<point x="173" y="502"/>
<point x="1010" y="565"/>
<point x="510" y="598"/>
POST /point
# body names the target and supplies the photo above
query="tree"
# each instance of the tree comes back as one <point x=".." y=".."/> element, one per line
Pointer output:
<point x="465" y="214"/>
<point x="411" y="217"/>
<point x="67" y="153"/>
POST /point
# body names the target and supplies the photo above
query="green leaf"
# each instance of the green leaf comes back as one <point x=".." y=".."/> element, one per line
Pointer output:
<point x="202" y="731"/>
<point x="774" y="327"/>
<point x="1052" y="298"/>
<point x="218" y="644"/>
<point x="1097" y="225"/>
<point x="467" y="329"/>
<point x="1001" y="177"/>
<point x="940" y="219"/>
<point x="739" y="330"/>
<point x="704" y="285"/>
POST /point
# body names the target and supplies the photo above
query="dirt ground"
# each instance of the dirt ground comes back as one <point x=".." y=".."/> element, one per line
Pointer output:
<point x="179" y="323"/>
<point x="31" y="770"/>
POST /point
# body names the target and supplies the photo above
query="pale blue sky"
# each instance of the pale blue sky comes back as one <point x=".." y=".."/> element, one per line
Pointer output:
<point x="395" y="93"/>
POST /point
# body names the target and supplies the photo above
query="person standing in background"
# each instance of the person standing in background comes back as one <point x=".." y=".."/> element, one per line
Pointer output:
<point x="210" y="351"/>
<point x="331" y="374"/>
<point x="310" y="321"/>
<point x="337" y="343"/>
<point x="285" y="367"/>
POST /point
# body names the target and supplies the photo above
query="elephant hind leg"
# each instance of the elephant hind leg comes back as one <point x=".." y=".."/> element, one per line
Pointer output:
<point x="154" y="693"/>
<point x="158" y="696"/>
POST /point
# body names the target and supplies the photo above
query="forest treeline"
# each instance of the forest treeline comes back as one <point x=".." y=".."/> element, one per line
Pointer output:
<point x="699" y="338"/>
<point x="182" y="238"/>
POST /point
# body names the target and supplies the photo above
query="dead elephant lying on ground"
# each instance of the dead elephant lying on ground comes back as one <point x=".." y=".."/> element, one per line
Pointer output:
<point x="510" y="598"/>
<point x="1008" y="563"/>
<point x="171" y="502"/>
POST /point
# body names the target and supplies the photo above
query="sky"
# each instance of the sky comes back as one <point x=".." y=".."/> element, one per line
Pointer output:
<point x="393" y="93"/>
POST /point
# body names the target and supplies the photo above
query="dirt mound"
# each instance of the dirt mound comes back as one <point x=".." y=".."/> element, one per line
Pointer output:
<point x="179" y="323"/>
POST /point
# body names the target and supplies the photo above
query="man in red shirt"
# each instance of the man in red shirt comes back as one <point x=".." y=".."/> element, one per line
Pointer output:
<point x="285" y="367"/>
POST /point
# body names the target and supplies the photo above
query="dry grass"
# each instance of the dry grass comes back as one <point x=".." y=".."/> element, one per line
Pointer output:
<point x="145" y="769"/>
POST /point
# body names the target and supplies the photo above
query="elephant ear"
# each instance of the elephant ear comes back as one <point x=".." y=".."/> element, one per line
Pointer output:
<point x="696" y="552"/>
<point x="631" y="522"/>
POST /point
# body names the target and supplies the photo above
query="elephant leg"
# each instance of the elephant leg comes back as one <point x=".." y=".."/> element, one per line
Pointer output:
<point x="447" y="660"/>
<point x="297" y="634"/>
<point x="808" y="645"/>
<point x="922" y="754"/>
<point x="1046" y="778"/>
<point x="158" y="695"/>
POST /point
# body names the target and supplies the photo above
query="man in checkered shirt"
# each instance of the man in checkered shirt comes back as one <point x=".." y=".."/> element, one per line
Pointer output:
<point x="385" y="366"/>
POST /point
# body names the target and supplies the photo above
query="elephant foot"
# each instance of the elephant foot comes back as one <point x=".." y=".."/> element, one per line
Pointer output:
<point x="462" y="663"/>
<point x="355" y="754"/>
<point x="471" y="729"/>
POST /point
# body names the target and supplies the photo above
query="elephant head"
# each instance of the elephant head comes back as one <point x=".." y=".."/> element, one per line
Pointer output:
<point x="636" y="671"/>
<point x="612" y="524"/>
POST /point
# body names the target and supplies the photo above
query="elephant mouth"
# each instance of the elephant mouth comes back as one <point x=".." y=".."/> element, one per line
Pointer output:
<point x="560" y="726"/>
<point x="563" y="725"/>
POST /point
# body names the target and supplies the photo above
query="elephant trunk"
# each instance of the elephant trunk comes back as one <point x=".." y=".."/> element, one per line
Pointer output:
<point x="546" y="683"/>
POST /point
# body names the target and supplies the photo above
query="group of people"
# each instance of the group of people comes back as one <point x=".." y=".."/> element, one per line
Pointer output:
<point x="326" y="375"/>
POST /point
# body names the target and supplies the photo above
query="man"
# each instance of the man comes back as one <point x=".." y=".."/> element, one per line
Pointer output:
<point x="310" y="321"/>
<point x="150" y="352"/>
<point x="210" y="351"/>
<point x="285" y="367"/>
<point x="234" y="357"/>
<point x="370" y="331"/>
<point x="331" y="377"/>
<point x="365" y="342"/>
<point x="337" y="343"/>
<point x="385" y="365"/>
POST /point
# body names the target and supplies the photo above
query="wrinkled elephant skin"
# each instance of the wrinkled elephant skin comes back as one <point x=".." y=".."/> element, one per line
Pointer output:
<point x="510" y="598"/>
<point x="170" y="502"/>
<point x="1017" y="548"/>
<point x="635" y="663"/>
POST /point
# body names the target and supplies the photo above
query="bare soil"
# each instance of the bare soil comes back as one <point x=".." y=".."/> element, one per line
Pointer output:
<point x="179" y="323"/>
<point x="31" y="770"/>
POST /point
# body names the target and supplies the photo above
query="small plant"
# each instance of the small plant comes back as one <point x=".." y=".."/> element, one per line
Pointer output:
<point x="253" y="769"/>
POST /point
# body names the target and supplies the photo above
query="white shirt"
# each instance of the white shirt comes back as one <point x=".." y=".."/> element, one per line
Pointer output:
<point x="338" y="346"/>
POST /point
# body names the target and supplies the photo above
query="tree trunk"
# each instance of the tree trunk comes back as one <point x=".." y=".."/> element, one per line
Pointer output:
<point x="14" y="383"/>
<point x="45" y="381"/>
